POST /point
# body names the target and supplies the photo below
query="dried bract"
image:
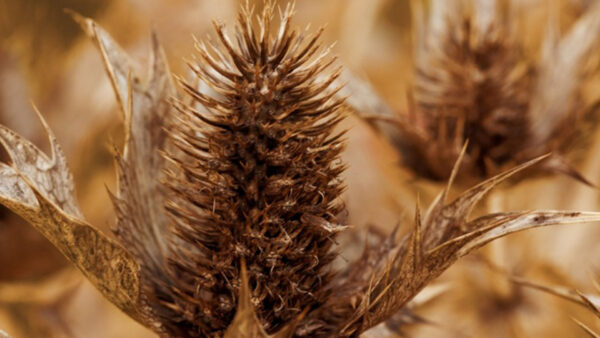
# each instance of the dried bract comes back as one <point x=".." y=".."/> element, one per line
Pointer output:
<point x="40" y="189"/>
<point x="374" y="288"/>
<point x="587" y="300"/>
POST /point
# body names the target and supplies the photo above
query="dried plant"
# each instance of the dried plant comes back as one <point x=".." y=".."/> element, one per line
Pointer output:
<point x="589" y="301"/>
<point x="473" y="81"/>
<point x="270" y="197"/>
<point x="228" y="200"/>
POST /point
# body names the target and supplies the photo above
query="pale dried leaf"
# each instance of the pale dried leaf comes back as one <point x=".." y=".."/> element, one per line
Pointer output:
<point x="115" y="59"/>
<point x="394" y="326"/>
<point x="441" y="217"/>
<point x="142" y="221"/>
<point x="50" y="175"/>
<point x="528" y="220"/>
<point x="590" y="301"/>
<point x="558" y="164"/>
<point x="556" y="93"/>
<point x="40" y="189"/>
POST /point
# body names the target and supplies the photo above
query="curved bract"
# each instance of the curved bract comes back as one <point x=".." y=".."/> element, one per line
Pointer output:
<point x="40" y="189"/>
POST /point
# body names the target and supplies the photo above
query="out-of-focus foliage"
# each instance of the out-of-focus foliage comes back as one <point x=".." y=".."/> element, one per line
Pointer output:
<point x="38" y="34"/>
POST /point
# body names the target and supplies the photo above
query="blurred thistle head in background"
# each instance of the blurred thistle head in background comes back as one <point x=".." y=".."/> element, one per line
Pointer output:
<point x="474" y="81"/>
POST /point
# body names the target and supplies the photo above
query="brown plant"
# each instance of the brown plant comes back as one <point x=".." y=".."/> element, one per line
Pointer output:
<point x="473" y="80"/>
<point x="589" y="301"/>
<point x="228" y="199"/>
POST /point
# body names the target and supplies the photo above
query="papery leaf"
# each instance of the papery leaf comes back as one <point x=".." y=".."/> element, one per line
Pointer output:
<point x="394" y="326"/>
<point x="590" y="301"/>
<point x="559" y="164"/>
<point x="50" y="175"/>
<point x="556" y="95"/>
<point x="393" y="273"/>
<point x="117" y="62"/>
<point x="40" y="189"/>
<point x="142" y="221"/>
<point x="527" y="220"/>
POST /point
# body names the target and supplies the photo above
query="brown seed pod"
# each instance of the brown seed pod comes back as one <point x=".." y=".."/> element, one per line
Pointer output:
<point x="255" y="177"/>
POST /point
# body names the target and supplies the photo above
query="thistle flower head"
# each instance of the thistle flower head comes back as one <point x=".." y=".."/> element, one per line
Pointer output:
<point x="255" y="177"/>
<point x="474" y="82"/>
<point x="471" y="83"/>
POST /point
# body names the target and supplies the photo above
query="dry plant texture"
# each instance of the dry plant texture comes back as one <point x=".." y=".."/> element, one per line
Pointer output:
<point x="473" y="81"/>
<point x="256" y="195"/>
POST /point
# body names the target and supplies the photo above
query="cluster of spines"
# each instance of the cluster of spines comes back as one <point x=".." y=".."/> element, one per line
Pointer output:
<point x="254" y="178"/>
<point x="472" y="84"/>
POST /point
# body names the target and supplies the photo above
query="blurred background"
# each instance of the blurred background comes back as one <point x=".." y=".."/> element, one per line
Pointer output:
<point x="46" y="59"/>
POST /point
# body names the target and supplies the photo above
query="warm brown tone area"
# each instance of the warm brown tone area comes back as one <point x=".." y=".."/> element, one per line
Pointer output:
<point x="265" y="188"/>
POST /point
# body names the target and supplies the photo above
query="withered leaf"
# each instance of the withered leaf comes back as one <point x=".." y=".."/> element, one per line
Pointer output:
<point x="556" y="98"/>
<point x="387" y="277"/>
<point x="141" y="219"/>
<point x="395" y="325"/>
<point x="40" y="189"/>
<point x="587" y="300"/>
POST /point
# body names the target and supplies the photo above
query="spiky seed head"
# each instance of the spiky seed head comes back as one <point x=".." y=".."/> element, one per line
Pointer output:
<point x="254" y="178"/>
<point x="471" y="83"/>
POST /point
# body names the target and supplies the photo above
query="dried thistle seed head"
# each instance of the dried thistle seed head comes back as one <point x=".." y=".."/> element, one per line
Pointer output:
<point x="473" y="82"/>
<point x="255" y="178"/>
<point x="479" y="86"/>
